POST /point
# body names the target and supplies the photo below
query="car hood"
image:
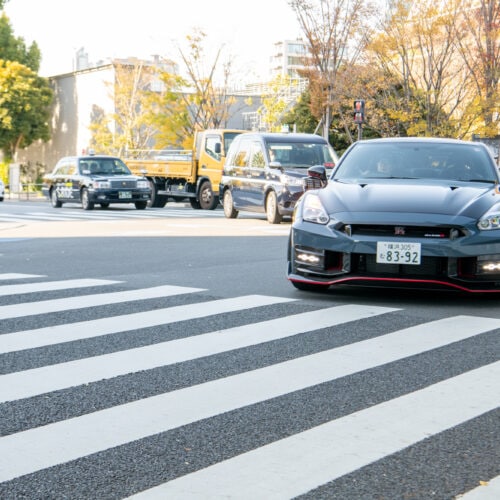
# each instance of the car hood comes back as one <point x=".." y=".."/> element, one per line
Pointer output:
<point x="396" y="196"/>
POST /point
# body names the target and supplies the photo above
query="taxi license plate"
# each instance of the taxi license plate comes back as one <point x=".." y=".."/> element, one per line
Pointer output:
<point x="389" y="252"/>
<point x="125" y="194"/>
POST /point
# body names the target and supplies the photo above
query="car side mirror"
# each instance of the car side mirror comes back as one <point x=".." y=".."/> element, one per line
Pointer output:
<point x="316" y="177"/>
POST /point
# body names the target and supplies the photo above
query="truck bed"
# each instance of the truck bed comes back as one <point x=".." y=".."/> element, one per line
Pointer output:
<point x="175" y="169"/>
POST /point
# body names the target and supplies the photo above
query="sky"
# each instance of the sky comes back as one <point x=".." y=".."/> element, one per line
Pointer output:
<point x="247" y="30"/>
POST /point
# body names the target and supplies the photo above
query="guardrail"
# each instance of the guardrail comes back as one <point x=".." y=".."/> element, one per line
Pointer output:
<point x="26" y="192"/>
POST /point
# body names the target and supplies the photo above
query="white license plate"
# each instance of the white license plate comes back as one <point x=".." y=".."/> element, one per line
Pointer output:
<point x="389" y="252"/>
<point x="125" y="194"/>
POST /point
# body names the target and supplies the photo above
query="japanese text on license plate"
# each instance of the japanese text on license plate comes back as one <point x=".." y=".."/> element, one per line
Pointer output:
<point x="389" y="252"/>
<point x="124" y="194"/>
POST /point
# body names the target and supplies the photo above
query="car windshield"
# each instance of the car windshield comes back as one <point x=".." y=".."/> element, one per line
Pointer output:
<point x="301" y="155"/>
<point x="416" y="160"/>
<point x="104" y="166"/>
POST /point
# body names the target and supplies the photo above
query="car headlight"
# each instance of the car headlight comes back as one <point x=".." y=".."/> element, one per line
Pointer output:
<point x="313" y="210"/>
<point x="490" y="220"/>
<point x="142" y="184"/>
<point x="289" y="180"/>
<point x="102" y="185"/>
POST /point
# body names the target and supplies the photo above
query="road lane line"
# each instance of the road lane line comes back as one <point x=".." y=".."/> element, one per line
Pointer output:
<point x="55" y="377"/>
<point x="84" y="301"/>
<point x="19" y="276"/>
<point x="298" y="464"/>
<point x="69" y="332"/>
<point x="77" y="437"/>
<point x="49" y="286"/>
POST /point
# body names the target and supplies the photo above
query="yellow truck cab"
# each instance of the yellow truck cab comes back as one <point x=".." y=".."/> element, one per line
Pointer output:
<point x="187" y="175"/>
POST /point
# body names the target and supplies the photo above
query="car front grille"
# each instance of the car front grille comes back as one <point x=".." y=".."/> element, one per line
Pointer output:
<point x="445" y="232"/>
<point x="123" y="184"/>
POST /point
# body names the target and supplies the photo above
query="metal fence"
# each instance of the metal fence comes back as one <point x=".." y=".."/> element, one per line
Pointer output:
<point x="25" y="192"/>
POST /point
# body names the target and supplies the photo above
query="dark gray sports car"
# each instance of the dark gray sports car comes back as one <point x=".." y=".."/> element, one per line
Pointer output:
<point x="401" y="212"/>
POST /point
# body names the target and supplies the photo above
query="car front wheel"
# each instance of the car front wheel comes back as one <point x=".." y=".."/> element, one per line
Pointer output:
<point x="229" y="211"/>
<point x="54" y="199"/>
<point x="272" y="213"/>
<point x="141" y="205"/>
<point x="86" y="203"/>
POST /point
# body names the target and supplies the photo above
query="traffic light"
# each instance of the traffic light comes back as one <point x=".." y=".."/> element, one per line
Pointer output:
<point x="359" y="111"/>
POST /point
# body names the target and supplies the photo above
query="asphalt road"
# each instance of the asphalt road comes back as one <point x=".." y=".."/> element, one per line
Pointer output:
<point x="167" y="356"/>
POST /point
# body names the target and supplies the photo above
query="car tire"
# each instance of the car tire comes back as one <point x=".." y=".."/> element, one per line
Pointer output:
<point x="157" y="200"/>
<point x="141" y="205"/>
<point x="229" y="211"/>
<point x="195" y="204"/>
<point x="86" y="203"/>
<point x="104" y="205"/>
<point x="54" y="199"/>
<point x="207" y="199"/>
<point x="272" y="213"/>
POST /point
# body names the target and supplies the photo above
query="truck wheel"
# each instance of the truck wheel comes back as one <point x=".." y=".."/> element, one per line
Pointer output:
<point x="157" y="200"/>
<point x="206" y="197"/>
<point x="194" y="203"/>
<point x="229" y="211"/>
<point x="272" y="213"/>
<point x="54" y="199"/>
<point x="86" y="203"/>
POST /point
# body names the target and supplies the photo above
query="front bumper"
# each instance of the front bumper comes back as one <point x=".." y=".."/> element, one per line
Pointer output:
<point x="119" y="196"/>
<point x="318" y="255"/>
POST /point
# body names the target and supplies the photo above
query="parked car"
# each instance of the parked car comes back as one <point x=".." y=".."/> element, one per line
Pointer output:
<point x="265" y="172"/>
<point x="95" y="179"/>
<point x="404" y="212"/>
<point x="2" y="190"/>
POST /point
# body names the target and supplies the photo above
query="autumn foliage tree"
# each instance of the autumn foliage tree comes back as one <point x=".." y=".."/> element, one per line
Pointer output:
<point x="336" y="32"/>
<point x="148" y="111"/>
<point x="25" y="97"/>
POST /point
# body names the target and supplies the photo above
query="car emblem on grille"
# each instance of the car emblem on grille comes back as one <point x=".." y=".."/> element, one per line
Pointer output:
<point x="399" y="231"/>
<point x="124" y="183"/>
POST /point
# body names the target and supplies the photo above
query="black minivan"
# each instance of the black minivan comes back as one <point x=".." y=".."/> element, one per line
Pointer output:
<point x="265" y="172"/>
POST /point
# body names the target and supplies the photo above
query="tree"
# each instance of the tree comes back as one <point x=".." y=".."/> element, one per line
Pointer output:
<point x="14" y="48"/>
<point x="336" y="32"/>
<point x="148" y="111"/>
<point x="277" y="100"/>
<point x="416" y="48"/>
<point x="210" y="102"/>
<point x="478" y="39"/>
<point x="25" y="100"/>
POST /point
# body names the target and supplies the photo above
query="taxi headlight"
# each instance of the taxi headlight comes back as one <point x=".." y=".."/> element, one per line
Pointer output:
<point x="490" y="220"/>
<point x="102" y="185"/>
<point x="313" y="210"/>
<point x="142" y="184"/>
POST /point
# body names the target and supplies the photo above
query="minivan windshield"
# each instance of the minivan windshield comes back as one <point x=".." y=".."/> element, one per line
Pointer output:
<point x="301" y="155"/>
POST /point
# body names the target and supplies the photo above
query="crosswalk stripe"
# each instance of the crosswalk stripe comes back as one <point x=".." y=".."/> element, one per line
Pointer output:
<point x="488" y="491"/>
<point x="111" y="215"/>
<point x="55" y="377"/>
<point x="20" y="276"/>
<point x="69" y="332"/>
<point x="84" y="301"/>
<point x="63" y="441"/>
<point x="295" y="465"/>
<point x="47" y="286"/>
